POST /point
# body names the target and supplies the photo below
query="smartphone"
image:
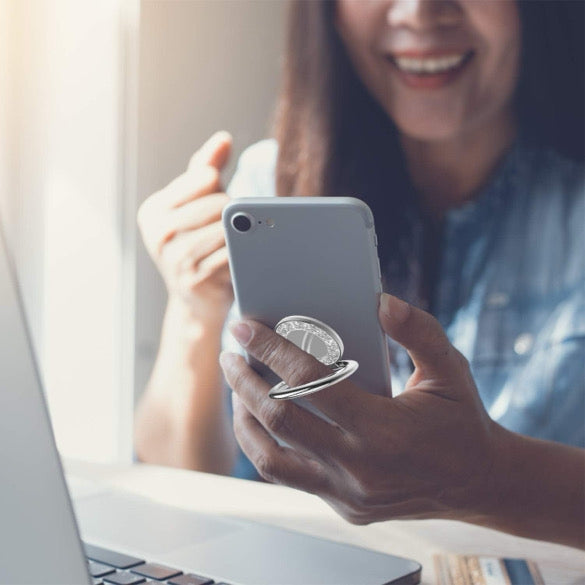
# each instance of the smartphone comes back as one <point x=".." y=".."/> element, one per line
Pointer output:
<point x="312" y="256"/>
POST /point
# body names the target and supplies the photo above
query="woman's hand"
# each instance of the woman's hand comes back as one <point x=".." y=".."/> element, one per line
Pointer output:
<point x="181" y="228"/>
<point x="425" y="453"/>
<point x="181" y="418"/>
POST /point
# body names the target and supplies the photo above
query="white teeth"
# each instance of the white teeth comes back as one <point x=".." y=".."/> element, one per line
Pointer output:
<point x="438" y="65"/>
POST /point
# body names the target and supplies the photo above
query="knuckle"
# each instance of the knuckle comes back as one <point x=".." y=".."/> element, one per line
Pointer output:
<point x="239" y="378"/>
<point x="300" y="372"/>
<point x="460" y="359"/>
<point x="270" y="349"/>
<point x="357" y="518"/>
<point x="275" y="417"/>
<point x="368" y="492"/>
<point x="266" y="467"/>
<point x="364" y="498"/>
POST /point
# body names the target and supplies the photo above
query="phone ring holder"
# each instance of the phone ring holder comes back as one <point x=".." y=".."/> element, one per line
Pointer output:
<point x="323" y="343"/>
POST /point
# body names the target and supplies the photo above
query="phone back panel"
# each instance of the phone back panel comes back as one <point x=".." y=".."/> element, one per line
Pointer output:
<point x="318" y="259"/>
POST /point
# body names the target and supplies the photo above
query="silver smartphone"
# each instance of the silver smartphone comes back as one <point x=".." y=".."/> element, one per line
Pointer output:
<point x="312" y="256"/>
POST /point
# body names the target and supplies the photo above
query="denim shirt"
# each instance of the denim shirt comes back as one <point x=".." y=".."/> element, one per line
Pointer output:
<point x="510" y="292"/>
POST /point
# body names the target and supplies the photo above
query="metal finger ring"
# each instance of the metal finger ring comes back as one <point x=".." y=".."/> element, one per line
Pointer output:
<point x="323" y="343"/>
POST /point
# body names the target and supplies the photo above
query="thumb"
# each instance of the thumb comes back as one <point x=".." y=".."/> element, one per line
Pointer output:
<point x="215" y="152"/>
<point x="420" y="334"/>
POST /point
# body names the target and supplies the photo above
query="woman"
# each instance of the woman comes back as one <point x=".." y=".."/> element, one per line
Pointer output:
<point x="460" y="123"/>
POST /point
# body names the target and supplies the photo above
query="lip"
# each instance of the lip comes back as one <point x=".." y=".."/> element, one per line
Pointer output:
<point x="421" y="54"/>
<point x="428" y="81"/>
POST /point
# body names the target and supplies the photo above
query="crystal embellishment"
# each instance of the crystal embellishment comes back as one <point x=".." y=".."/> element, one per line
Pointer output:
<point x="312" y="336"/>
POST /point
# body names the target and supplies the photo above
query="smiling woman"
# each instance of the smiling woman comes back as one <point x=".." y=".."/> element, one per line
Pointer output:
<point x="460" y="123"/>
<point x="468" y="52"/>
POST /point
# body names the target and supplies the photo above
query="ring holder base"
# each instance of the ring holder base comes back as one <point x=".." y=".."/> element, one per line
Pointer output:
<point x="323" y="343"/>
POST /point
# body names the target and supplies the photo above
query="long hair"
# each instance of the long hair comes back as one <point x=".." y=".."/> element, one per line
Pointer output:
<point x="335" y="139"/>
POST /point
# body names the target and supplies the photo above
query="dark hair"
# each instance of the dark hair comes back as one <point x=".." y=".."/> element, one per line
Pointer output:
<point x="335" y="139"/>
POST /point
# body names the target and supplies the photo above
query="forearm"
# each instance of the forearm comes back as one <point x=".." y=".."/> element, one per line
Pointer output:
<point x="538" y="490"/>
<point x="181" y="419"/>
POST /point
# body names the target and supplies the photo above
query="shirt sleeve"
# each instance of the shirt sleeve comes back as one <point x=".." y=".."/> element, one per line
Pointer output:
<point x="254" y="177"/>
<point x="255" y="171"/>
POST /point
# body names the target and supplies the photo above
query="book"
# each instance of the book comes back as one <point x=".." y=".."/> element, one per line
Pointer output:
<point x="452" y="569"/>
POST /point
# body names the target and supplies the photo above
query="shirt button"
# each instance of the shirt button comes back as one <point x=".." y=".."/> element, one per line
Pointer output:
<point x="498" y="300"/>
<point x="523" y="343"/>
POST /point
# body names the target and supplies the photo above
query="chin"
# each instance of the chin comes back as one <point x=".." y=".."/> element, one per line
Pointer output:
<point x="428" y="123"/>
<point x="429" y="130"/>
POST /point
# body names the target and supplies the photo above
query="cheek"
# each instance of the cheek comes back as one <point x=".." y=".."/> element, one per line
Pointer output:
<point x="498" y="26"/>
<point x="358" y="23"/>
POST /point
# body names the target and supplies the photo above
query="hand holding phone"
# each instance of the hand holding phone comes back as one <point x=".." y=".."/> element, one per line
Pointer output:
<point x="312" y="256"/>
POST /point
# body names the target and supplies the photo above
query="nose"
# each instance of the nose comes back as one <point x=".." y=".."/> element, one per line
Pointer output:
<point x="423" y="15"/>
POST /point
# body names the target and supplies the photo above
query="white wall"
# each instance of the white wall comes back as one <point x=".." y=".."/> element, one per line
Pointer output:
<point x="205" y="65"/>
<point x="101" y="104"/>
<point x="63" y="157"/>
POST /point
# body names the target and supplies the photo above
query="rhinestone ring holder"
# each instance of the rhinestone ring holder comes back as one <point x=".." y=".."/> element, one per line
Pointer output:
<point x="323" y="343"/>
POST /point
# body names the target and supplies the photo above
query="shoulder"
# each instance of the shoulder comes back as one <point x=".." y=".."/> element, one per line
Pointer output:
<point x="256" y="171"/>
<point x="259" y="153"/>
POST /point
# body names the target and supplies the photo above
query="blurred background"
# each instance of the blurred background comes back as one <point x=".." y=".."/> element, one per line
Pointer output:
<point x="102" y="104"/>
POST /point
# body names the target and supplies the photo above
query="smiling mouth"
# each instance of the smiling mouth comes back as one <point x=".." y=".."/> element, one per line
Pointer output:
<point x="430" y="66"/>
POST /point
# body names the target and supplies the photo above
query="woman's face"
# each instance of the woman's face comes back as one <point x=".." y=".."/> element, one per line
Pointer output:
<point x="439" y="68"/>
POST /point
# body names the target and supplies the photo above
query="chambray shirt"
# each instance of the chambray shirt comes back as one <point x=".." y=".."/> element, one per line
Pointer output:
<point x="510" y="292"/>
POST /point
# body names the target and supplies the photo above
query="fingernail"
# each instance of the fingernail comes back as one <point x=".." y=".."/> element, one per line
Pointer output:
<point x="241" y="331"/>
<point x="394" y="307"/>
<point x="225" y="359"/>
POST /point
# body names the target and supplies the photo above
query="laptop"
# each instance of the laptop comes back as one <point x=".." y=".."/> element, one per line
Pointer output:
<point x="128" y="539"/>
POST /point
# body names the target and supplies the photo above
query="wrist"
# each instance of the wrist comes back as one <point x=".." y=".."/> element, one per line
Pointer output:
<point x="534" y="489"/>
<point x="494" y="495"/>
<point x="190" y="343"/>
<point x="484" y="497"/>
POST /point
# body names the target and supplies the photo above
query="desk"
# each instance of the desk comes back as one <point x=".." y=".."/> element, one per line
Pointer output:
<point x="281" y="506"/>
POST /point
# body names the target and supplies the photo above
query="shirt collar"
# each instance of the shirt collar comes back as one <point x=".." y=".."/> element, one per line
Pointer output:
<point x="504" y="182"/>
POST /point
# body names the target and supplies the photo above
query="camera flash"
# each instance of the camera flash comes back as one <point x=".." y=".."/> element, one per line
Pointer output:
<point x="270" y="222"/>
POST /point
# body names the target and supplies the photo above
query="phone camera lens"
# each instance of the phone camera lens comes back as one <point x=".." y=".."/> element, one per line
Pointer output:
<point x="241" y="222"/>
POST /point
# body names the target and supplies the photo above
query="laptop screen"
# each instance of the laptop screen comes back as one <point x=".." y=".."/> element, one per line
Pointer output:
<point x="39" y="541"/>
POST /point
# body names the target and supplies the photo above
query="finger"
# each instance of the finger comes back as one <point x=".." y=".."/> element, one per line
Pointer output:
<point x="420" y="333"/>
<point x="195" y="214"/>
<point x="218" y="272"/>
<point x="189" y="217"/>
<point x="215" y="152"/>
<point x="297" y="426"/>
<point x="185" y="250"/>
<point x="182" y="189"/>
<point x="191" y="185"/>
<point x="340" y="402"/>
<point x="215" y="261"/>
<point x="276" y="463"/>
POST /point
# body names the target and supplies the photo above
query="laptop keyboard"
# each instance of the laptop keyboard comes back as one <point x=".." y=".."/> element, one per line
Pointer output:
<point x="108" y="567"/>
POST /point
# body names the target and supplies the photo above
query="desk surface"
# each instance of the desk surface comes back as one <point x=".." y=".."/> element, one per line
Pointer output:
<point x="296" y="510"/>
